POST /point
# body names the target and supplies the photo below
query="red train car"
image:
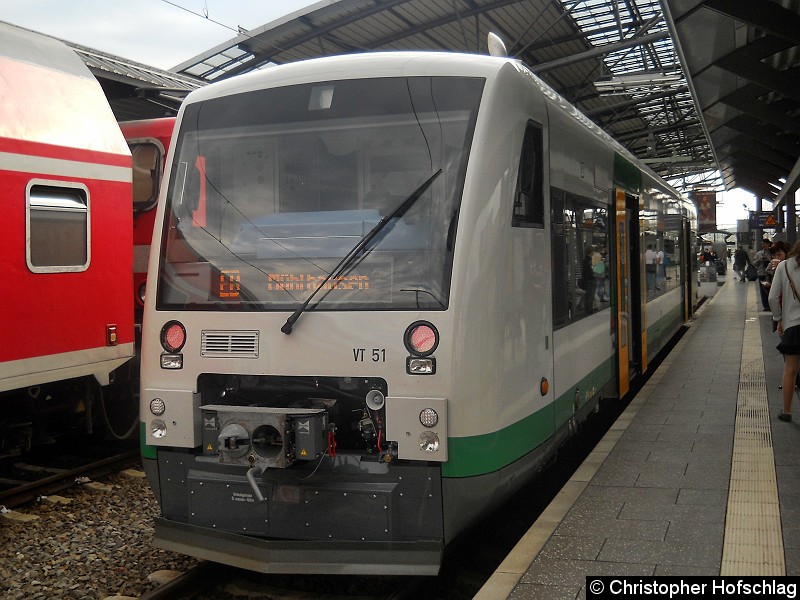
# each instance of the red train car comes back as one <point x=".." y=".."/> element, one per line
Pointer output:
<point x="149" y="141"/>
<point x="66" y="251"/>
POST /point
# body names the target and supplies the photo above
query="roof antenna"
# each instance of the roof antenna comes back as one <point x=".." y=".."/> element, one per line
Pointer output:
<point x="496" y="45"/>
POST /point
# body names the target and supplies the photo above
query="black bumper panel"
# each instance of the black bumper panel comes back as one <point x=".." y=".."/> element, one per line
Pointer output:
<point x="317" y="557"/>
<point x="346" y="500"/>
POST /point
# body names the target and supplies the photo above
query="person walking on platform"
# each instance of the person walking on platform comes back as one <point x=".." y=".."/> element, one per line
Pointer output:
<point x="784" y="301"/>
<point x="740" y="261"/>
<point x="761" y="261"/>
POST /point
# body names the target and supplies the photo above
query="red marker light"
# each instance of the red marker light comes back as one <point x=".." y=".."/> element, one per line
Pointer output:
<point x="421" y="338"/>
<point x="173" y="336"/>
<point x="111" y="335"/>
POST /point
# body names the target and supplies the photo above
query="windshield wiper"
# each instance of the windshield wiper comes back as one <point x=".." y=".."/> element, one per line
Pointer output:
<point x="358" y="248"/>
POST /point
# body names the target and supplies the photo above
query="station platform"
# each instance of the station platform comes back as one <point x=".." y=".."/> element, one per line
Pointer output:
<point x="696" y="477"/>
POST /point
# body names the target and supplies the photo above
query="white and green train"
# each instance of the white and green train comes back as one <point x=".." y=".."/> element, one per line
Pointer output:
<point x="386" y="288"/>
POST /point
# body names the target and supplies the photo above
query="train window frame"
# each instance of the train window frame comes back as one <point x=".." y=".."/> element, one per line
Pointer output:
<point x="528" y="208"/>
<point x="664" y="231"/>
<point x="49" y="206"/>
<point x="567" y="258"/>
<point x="155" y="176"/>
<point x="434" y="117"/>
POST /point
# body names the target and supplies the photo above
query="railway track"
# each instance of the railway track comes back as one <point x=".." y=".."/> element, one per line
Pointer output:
<point x="211" y="581"/>
<point x="61" y="466"/>
<point x="189" y="584"/>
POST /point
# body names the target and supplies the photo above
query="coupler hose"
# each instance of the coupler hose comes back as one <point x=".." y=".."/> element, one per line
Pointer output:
<point x="252" y="473"/>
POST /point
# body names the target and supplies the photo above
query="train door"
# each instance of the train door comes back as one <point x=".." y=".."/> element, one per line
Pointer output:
<point x="628" y="296"/>
<point x="687" y="289"/>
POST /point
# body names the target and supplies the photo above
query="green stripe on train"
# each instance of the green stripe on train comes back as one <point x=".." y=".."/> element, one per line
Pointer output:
<point x="481" y="454"/>
<point x="147" y="450"/>
<point x="660" y="332"/>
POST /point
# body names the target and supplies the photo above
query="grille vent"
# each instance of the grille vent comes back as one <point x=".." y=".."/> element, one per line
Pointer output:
<point x="229" y="344"/>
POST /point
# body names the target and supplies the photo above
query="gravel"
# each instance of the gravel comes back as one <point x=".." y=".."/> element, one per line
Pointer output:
<point x="94" y="542"/>
<point x="96" y="546"/>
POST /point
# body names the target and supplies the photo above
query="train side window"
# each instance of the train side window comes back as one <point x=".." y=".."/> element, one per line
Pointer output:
<point x="57" y="222"/>
<point x="580" y="269"/>
<point x="147" y="162"/>
<point x="529" y="196"/>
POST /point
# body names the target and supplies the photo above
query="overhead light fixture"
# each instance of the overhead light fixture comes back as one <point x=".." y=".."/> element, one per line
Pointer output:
<point x="674" y="158"/>
<point x="618" y="83"/>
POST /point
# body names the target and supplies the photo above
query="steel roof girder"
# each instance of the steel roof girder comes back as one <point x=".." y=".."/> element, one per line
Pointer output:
<point x="756" y="149"/>
<point x="580" y="36"/>
<point x="447" y="19"/>
<point x="762" y="14"/>
<point x="742" y="157"/>
<point x="746" y="100"/>
<point x="599" y="51"/>
<point x="754" y="176"/>
<point x="646" y="100"/>
<point x="762" y="170"/>
<point x="746" y="125"/>
<point x="791" y="185"/>
<point x="685" y="124"/>
<point x="760" y="188"/>
<point x="744" y="65"/>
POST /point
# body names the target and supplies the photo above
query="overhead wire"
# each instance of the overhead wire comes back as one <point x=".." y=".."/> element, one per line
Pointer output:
<point x="236" y="30"/>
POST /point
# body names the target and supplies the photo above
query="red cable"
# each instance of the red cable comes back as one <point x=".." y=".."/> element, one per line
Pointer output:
<point x="331" y="444"/>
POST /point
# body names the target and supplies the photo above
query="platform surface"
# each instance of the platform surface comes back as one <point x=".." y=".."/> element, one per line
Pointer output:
<point x="696" y="477"/>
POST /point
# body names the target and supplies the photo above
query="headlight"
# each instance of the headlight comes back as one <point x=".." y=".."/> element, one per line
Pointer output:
<point x="429" y="441"/>
<point x="158" y="428"/>
<point x="172" y="361"/>
<point x="420" y="365"/>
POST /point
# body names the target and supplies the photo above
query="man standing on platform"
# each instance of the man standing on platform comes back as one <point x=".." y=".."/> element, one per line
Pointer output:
<point x="740" y="261"/>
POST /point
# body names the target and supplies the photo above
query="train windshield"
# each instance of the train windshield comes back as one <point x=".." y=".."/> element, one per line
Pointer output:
<point x="270" y="189"/>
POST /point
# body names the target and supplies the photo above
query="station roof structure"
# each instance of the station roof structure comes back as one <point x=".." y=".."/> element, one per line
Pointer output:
<point x="613" y="59"/>
<point x="134" y="90"/>
<point x="694" y="88"/>
<point x="742" y="59"/>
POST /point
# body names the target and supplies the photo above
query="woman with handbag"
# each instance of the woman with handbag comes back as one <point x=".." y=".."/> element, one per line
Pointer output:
<point x="778" y="252"/>
<point x="784" y="301"/>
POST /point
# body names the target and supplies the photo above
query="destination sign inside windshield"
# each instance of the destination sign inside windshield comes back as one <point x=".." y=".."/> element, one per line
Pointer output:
<point x="230" y="283"/>
<point x="308" y="282"/>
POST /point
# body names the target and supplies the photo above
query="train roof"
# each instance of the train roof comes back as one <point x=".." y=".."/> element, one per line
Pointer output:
<point x="51" y="97"/>
<point x="350" y="66"/>
<point x="24" y="46"/>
